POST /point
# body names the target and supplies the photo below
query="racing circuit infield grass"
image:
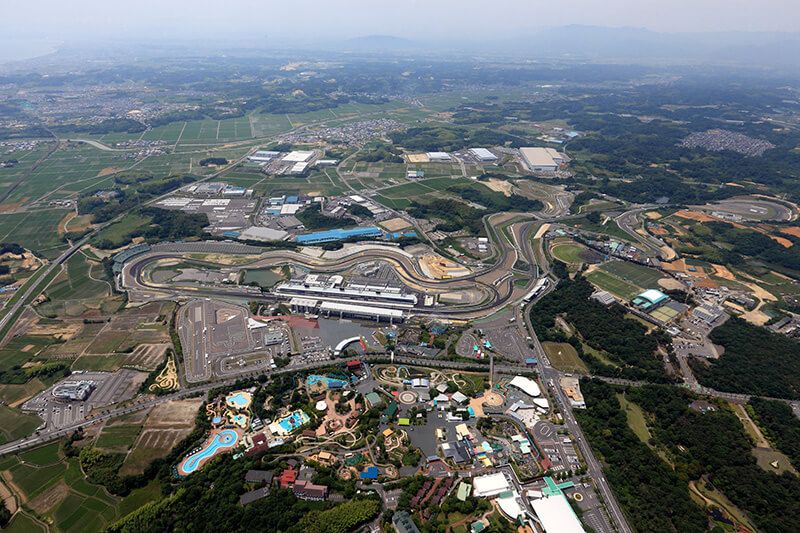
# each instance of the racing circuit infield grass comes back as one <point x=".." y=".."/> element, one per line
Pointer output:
<point x="568" y="252"/>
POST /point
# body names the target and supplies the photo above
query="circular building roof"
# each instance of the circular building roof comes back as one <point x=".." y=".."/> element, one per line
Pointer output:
<point x="321" y="405"/>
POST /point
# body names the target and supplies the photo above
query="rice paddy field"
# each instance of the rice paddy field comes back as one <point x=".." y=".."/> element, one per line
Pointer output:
<point x="55" y="490"/>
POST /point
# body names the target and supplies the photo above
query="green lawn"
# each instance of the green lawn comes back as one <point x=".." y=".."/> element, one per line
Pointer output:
<point x="22" y="524"/>
<point x="617" y="287"/>
<point x="636" y="419"/>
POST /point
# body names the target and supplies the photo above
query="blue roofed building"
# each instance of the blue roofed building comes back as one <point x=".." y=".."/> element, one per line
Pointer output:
<point x="649" y="299"/>
<point x="338" y="235"/>
<point x="370" y="473"/>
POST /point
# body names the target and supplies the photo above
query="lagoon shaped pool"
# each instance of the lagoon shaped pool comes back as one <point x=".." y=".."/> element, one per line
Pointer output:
<point x="239" y="400"/>
<point x="221" y="442"/>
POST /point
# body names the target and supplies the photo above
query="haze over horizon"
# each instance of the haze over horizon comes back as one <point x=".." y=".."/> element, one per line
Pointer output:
<point x="446" y="20"/>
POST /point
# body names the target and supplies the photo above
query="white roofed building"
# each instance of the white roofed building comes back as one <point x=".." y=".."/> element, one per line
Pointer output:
<point x="490" y="485"/>
<point x="526" y="385"/>
<point x="556" y="515"/>
<point x="482" y="154"/>
<point x="298" y="156"/>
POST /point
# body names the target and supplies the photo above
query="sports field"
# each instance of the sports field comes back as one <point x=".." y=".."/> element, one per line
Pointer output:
<point x="564" y="357"/>
<point x="605" y="281"/>
<point x="635" y="274"/>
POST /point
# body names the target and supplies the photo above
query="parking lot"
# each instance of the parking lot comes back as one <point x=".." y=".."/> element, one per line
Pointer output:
<point x="109" y="389"/>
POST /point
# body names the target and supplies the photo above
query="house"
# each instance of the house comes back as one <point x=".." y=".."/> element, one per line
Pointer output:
<point x="259" y="476"/>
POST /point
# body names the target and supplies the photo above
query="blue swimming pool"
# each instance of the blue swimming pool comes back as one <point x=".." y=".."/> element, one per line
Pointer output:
<point x="332" y="383"/>
<point x="239" y="400"/>
<point x="294" y="420"/>
<point x="240" y="419"/>
<point x="224" y="439"/>
<point x="216" y="420"/>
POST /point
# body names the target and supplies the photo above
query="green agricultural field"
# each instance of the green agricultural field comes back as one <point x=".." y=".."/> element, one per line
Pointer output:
<point x="22" y="349"/>
<point x="82" y="281"/>
<point x="635" y="274"/>
<point x="605" y="281"/>
<point x="35" y="230"/>
<point x="99" y="363"/>
<point x="118" y="437"/>
<point x="43" y="455"/>
<point x="24" y="524"/>
<point x="118" y="232"/>
<point x="33" y="479"/>
<point x="564" y="357"/>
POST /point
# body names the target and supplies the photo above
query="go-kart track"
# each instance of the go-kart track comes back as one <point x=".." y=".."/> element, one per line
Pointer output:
<point x="495" y="281"/>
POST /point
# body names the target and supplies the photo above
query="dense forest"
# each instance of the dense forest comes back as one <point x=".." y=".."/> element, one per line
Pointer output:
<point x="756" y="361"/>
<point x="653" y="496"/>
<point x="781" y="426"/>
<point x="604" y="328"/>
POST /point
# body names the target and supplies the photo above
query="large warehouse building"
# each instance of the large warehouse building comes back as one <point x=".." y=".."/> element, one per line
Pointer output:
<point x="543" y="160"/>
<point x="482" y="154"/>
<point x="556" y="515"/>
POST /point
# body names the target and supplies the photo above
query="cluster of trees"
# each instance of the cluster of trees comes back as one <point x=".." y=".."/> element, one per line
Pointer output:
<point x="455" y="215"/>
<point x="780" y="424"/>
<point x="11" y="248"/>
<point x="450" y="139"/>
<point x="495" y="201"/>
<point x="111" y="125"/>
<point x="713" y="445"/>
<point x="127" y="199"/>
<point x="603" y="328"/>
<point x="755" y="244"/>
<point x="17" y="375"/>
<point x="654" y="497"/>
<point x="313" y="219"/>
<point x="756" y="361"/>
<point x="213" y="161"/>
<point x="385" y="152"/>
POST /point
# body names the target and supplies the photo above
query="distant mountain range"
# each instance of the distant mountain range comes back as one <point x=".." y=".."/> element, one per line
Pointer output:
<point x="773" y="49"/>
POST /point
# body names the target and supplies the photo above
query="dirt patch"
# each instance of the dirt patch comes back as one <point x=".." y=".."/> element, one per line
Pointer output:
<point x="28" y="348"/>
<point x="498" y="185"/>
<point x="109" y="170"/>
<point x="167" y="379"/>
<point x="174" y="414"/>
<point x="394" y="224"/>
<point x="723" y="272"/>
<point x="49" y="498"/>
<point x="786" y="243"/>
<point x="8" y="498"/>
<point x="147" y="356"/>
<point x="654" y="215"/>
<point x="671" y="284"/>
<point x="63" y="332"/>
<point x="793" y="231"/>
<point x="62" y="226"/>
<point x="693" y="215"/>
<point x="437" y="267"/>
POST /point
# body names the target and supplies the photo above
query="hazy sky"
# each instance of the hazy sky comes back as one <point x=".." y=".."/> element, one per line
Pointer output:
<point x="433" y="19"/>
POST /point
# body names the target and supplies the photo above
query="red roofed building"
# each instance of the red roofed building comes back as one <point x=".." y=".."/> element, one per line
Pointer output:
<point x="305" y="490"/>
<point x="288" y="477"/>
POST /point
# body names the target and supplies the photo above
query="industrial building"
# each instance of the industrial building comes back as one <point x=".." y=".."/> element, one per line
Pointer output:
<point x="75" y="391"/>
<point x="298" y="168"/>
<point x="403" y="523"/>
<point x="298" y="156"/>
<point x="338" y="235"/>
<point x="482" y="154"/>
<point x="543" y="160"/>
<point x="438" y="156"/>
<point x="256" y="233"/>
<point x="263" y="156"/>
